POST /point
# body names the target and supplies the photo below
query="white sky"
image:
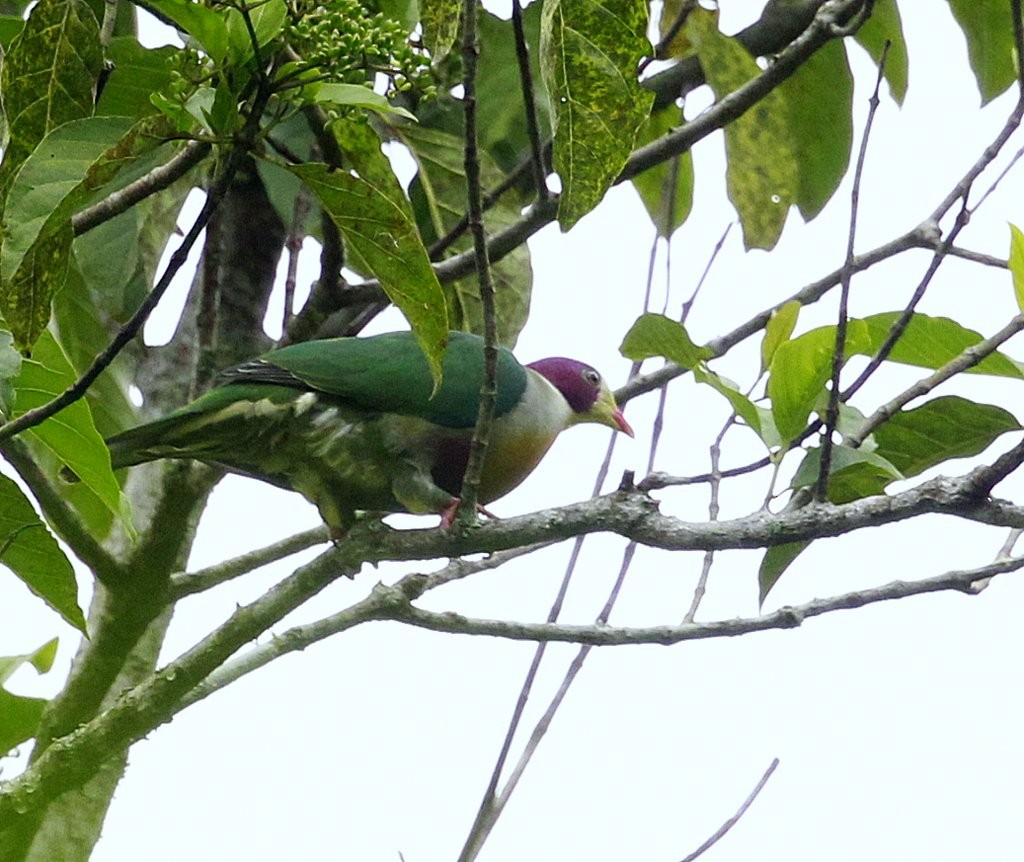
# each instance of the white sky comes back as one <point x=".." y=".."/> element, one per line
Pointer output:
<point x="897" y="726"/>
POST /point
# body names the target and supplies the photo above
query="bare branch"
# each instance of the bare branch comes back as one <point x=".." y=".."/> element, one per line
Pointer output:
<point x="784" y="618"/>
<point x="732" y="821"/>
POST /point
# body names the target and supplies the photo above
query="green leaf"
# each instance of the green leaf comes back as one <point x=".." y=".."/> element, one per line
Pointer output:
<point x="67" y="167"/>
<point x="10" y="367"/>
<point x="30" y="551"/>
<point x="589" y="55"/>
<point x="500" y="107"/>
<point x="70" y="435"/>
<point x="1017" y="264"/>
<point x="941" y="429"/>
<point x="10" y="27"/>
<point x="438" y="195"/>
<point x="666" y="189"/>
<point x="356" y="96"/>
<point x="930" y="342"/>
<point x="41" y="660"/>
<point x="820" y="101"/>
<point x="761" y="173"/>
<point x="799" y="370"/>
<point x="658" y="335"/>
<point x="744" y="407"/>
<point x="267" y="18"/>
<point x="853" y="473"/>
<point x="800" y="367"/>
<point x="203" y="23"/>
<point x="384" y="236"/>
<point x="775" y="561"/>
<point x="988" y="28"/>
<point x="19" y="715"/>
<point x="48" y="77"/>
<point x="440" y="20"/>
<point x="137" y="74"/>
<point x="883" y="26"/>
<point x="777" y="331"/>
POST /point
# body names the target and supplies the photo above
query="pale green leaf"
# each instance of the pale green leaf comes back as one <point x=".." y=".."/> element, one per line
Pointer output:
<point x="19" y="715"/>
<point x="775" y="561"/>
<point x="777" y="331"/>
<point x="440" y="20"/>
<point x="1017" y="264"/>
<point x="356" y="96"/>
<point x="203" y="23"/>
<point x="762" y="176"/>
<point x="744" y="407"/>
<point x="657" y="335"/>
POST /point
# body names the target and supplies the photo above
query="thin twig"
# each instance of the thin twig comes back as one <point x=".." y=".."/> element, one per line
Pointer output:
<point x="529" y="103"/>
<point x="732" y="821"/>
<point x="789" y="617"/>
<point x="474" y="209"/>
<point x="158" y="179"/>
<point x="845" y="278"/>
<point x="293" y="244"/>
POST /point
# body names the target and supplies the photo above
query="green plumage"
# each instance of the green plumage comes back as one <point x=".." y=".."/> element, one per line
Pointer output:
<point x="349" y="423"/>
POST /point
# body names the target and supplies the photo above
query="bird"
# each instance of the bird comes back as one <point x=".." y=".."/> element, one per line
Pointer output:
<point x="354" y="424"/>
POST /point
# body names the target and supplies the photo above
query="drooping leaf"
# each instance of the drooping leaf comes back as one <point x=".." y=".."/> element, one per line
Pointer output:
<point x="136" y="75"/>
<point x="27" y="293"/>
<point x="666" y="189"/>
<point x="762" y="177"/>
<point x="885" y="25"/>
<point x="744" y="407"/>
<point x="1017" y="264"/>
<point x="20" y="715"/>
<point x="820" y="101"/>
<point x="10" y="367"/>
<point x="48" y="77"/>
<point x="777" y="331"/>
<point x="943" y="428"/>
<point x="70" y="434"/>
<point x="387" y="240"/>
<point x="988" y="29"/>
<point x="438" y="194"/>
<point x="589" y="55"/>
<point x="775" y="561"/>
<point x="31" y="552"/>
<point x="440" y="19"/>
<point x="658" y="335"/>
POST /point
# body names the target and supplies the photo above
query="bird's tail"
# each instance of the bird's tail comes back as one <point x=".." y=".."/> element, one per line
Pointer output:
<point x="135" y="446"/>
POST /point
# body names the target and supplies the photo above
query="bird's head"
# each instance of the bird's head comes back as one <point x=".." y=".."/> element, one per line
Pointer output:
<point x="585" y="390"/>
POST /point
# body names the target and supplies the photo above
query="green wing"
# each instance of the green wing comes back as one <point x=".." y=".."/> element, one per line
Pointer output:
<point x="389" y="374"/>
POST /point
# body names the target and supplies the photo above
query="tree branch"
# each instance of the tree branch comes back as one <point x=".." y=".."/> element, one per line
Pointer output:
<point x="789" y="617"/>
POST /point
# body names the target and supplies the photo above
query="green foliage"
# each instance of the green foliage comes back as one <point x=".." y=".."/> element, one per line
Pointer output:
<point x="33" y="555"/>
<point x="589" y="55"/>
<point x="438" y="194"/>
<point x="762" y="175"/>
<point x="1016" y="262"/>
<point x="883" y="28"/>
<point x="20" y="715"/>
<point x="666" y="190"/>
<point x="988" y="29"/>
<point x="385" y="237"/>
<point x="658" y="335"/>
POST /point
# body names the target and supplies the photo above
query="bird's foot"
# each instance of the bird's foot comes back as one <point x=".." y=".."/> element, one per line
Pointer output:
<point x="449" y="512"/>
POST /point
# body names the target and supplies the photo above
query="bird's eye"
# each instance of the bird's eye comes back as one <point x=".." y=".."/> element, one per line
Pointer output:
<point x="592" y="377"/>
